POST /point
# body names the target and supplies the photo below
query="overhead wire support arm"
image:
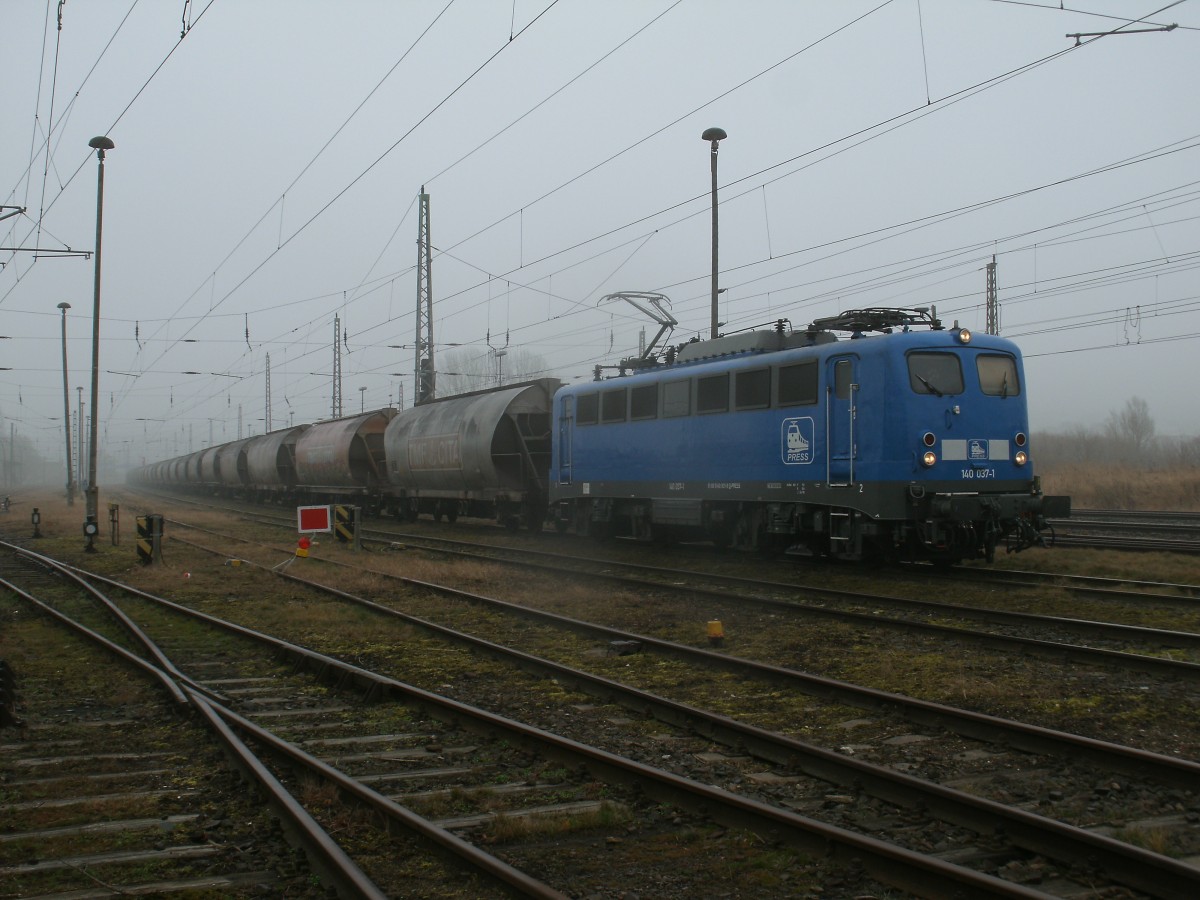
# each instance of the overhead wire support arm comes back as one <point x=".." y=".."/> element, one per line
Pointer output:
<point x="1079" y="35"/>
<point x="7" y="212"/>
<point x="45" y="251"/>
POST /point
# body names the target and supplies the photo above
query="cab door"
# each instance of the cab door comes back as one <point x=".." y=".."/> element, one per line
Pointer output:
<point x="841" y="393"/>
<point x="566" y="422"/>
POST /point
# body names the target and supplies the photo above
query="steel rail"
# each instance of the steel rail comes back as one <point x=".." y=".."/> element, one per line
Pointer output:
<point x="1033" y="738"/>
<point x="140" y="637"/>
<point x="1048" y="649"/>
<point x="1010" y="576"/>
<point x="178" y="697"/>
<point x="1133" y="545"/>
<point x="422" y="540"/>
<point x="1121" y="862"/>
<point x="1125" y="863"/>
<point x="1150" y="515"/>
<point x="322" y="852"/>
<point x="331" y="861"/>
<point x="1088" y="585"/>
<point x="919" y="873"/>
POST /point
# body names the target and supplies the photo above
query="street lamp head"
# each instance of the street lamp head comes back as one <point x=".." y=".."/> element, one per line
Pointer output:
<point x="714" y="134"/>
<point x="64" y="306"/>
<point x="101" y="143"/>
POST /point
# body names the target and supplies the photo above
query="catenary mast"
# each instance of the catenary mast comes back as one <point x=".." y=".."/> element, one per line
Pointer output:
<point x="424" y="374"/>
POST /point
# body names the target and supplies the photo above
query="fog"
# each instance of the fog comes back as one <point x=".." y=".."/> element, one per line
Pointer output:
<point x="267" y="166"/>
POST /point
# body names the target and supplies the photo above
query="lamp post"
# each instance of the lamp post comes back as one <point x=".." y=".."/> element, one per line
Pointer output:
<point x="714" y="136"/>
<point x="91" y="527"/>
<point x="362" y="399"/>
<point x="79" y="440"/>
<point x="64" y="306"/>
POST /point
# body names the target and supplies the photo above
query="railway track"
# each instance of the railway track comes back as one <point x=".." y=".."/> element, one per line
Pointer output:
<point x="975" y="779"/>
<point x="916" y="711"/>
<point x="932" y="758"/>
<point x="108" y="787"/>
<point x="1173" y="652"/>
<point x="283" y="700"/>
<point x="1138" y="530"/>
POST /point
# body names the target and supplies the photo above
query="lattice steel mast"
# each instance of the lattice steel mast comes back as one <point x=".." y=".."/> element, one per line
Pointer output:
<point x="337" y="368"/>
<point x="993" y="301"/>
<point x="424" y="375"/>
<point x="270" y="424"/>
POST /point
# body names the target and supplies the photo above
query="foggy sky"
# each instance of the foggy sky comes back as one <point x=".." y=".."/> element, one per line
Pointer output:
<point x="267" y="167"/>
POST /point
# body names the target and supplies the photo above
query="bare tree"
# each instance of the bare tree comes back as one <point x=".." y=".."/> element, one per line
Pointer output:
<point x="467" y="369"/>
<point x="1131" y="429"/>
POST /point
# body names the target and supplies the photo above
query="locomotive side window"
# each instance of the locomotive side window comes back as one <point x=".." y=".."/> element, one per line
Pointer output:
<point x="997" y="375"/>
<point x="843" y="374"/>
<point x="935" y="373"/>
<point x="612" y="406"/>
<point x="798" y="384"/>
<point x="643" y="402"/>
<point x="752" y="390"/>
<point x="676" y="398"/>
<point x="588" y="410"/>
<point x="712" y="393"/>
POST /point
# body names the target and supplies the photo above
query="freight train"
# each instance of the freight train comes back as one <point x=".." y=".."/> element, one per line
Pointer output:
<point x="877" y="433"/>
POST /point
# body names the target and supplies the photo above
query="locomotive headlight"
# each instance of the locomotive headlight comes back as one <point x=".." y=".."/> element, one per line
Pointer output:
<point x="1020" y="439"/>
<point x="1021" y="458"/>
<point x="929" y="458"/>
<point x="963" y="335"/>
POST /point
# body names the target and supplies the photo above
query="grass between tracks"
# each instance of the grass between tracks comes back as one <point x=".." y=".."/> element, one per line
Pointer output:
<point x="1051" y="694"/>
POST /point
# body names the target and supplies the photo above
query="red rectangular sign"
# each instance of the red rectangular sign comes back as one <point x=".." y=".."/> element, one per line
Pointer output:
<point x="313" y="518"/>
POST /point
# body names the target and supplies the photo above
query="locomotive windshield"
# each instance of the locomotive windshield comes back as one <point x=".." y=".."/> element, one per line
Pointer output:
<point x="998" y="375"/>
<point x="935" y="373"/>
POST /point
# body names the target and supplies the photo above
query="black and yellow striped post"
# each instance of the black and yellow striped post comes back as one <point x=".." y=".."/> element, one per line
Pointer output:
<point x="149" y="539"/>
<point x="345" y="525"/>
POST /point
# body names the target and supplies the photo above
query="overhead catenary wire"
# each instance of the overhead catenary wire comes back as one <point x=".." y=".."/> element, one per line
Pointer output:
<point x="529" y="270"/>
<point x="357" y="178"/>
<point x="769" y="68"/>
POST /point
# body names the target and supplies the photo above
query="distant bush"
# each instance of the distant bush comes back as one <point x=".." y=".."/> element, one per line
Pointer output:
<point x="1124" y="465"/>
<point x="1107" y="486"/>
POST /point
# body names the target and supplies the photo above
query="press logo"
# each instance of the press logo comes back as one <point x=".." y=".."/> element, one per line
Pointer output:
<point x="796" y="441"/>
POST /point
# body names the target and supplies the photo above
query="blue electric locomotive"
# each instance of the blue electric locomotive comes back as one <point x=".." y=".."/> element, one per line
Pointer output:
<point x="904" y="440"/>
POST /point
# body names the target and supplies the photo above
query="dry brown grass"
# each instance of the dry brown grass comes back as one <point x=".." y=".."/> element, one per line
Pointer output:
<point x="1101" y="486"/>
